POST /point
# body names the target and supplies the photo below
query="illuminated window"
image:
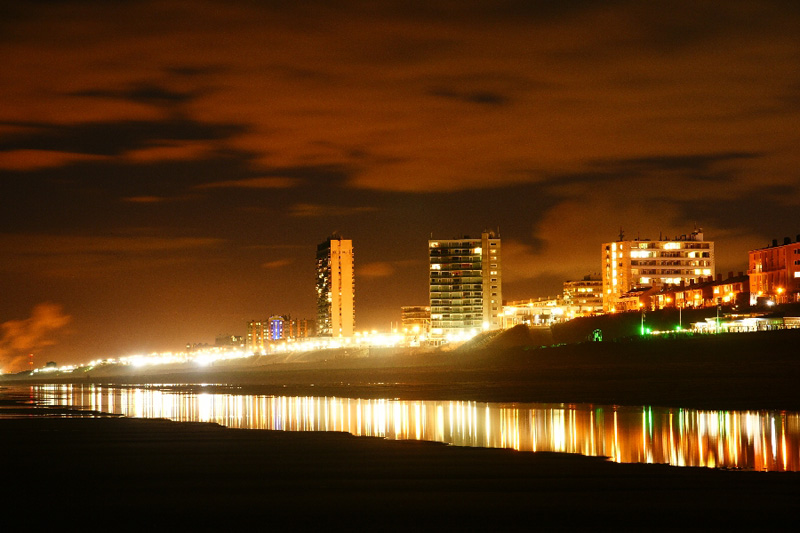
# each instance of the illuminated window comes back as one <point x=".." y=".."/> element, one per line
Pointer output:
<point x="672" y="246"/>
<point x="478" y="250"/>
<point x="436" y="267"/>
<point x="797" y="274"/>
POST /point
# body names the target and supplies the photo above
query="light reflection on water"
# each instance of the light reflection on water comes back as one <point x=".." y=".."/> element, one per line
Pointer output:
<point x="759" y="440"/>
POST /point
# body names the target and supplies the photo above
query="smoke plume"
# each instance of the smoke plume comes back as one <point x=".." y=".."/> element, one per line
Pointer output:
<point x="18" y="338"/>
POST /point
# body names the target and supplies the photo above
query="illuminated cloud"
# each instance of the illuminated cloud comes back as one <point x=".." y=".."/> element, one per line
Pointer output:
<point x="276" y="264"/>
<point x="170" y="151"/>
<point x="380" y="269"/>
<point x="144" y="199"/>
<point x="18" y="338"/>
<point x="26" y="160"/>
<point x="319" y="210"/>
<point x="268" y="182"/>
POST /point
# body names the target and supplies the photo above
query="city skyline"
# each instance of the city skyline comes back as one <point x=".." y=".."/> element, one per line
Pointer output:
<point x="168" y="167"/>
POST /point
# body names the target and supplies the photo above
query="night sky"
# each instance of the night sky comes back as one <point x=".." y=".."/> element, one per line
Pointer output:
<point x="168" y="167"/>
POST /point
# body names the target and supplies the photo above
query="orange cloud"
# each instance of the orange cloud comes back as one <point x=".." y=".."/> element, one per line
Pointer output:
<point x="379" y="269"/>
<point x="271" y="182"/>
<point x="319" y="210"/>
<point x="144" y="199"/>
<point x="170" y="151"/>
<point x="35" y="159"/>
<point x="278" y="263"/>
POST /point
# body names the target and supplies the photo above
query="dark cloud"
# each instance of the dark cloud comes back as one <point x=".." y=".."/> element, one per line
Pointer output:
<point x="696" y="165"/>
<point x="114" y="138"/>
<point x="142" y="93"/>
<point x="474" y="97"/>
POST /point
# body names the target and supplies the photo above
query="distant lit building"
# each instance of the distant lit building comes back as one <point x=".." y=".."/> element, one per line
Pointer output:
<point x="299" y="328"/>
<point x="335" y="288"/>
<point x="465" y="286"/>
<point x="257" y="336"/>
<point x="534" y="312"/>
<point x="284" y="327"/>
<point x="775" y="272"/>
<point x="631" y="264"/>
<point x="415" y="319"/>
<point x="585" y="296"/>
<point x="276" y="327"/>
<point x="229" y="340"/>
<point x="708" y="292"/>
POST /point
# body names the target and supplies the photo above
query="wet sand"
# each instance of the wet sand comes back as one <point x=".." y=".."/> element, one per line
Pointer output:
<point x="129" y="474"/>
<point x="109" y="472"/>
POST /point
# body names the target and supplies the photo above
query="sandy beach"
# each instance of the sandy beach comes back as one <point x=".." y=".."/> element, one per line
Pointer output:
<point x="131" y="473"/>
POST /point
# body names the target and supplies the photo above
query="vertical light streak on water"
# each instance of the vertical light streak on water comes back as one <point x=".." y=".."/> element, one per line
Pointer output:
<point x="772" y="436"/>
<point x="615" y="447"/>
<point x="783" y="440"/>
<point x="643" y="453"/>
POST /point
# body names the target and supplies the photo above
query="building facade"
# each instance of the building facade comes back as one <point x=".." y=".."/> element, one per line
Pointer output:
<point x="415" y="319"/>
<point x="775" y="272"/>
<point x="630" y="264"/>
<point x="257" y="336"/>
<point x="584" y="297"/>
<point x="465" y="286"/>
<point x="335" y="288"/>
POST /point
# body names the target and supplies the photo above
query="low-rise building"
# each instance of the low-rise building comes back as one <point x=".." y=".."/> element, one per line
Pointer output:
<point x="775" y="272"/>
<point x="584" y="297"/>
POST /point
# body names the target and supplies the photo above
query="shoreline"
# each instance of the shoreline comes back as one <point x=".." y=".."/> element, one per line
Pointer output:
<point x="741" y="371"/>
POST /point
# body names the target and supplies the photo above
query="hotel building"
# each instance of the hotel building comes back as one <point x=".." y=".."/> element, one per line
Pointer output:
<point x="335" y="288"/>
<point x="775" y="272"/>
<point x="629" y="264"/>
<point x="465" y="286"/>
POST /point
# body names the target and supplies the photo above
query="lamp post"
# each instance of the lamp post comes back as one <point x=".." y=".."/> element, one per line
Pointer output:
<point x="641" y="308"/>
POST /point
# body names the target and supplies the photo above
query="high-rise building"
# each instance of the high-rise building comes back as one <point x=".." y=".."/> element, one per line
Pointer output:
<point x="629" y="264"/>
<point x="335" y="288"/>
<point x="775" y="272"/>
<point x="465" y="285"/>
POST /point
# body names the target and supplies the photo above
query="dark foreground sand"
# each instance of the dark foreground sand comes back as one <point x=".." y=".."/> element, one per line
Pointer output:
<point x="107" y="474"/>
